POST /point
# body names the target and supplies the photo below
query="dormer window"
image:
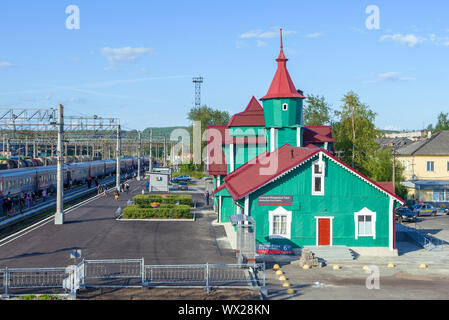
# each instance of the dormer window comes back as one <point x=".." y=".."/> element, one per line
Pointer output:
<point x="318" y="178"/>
<point x="285" y="107"/>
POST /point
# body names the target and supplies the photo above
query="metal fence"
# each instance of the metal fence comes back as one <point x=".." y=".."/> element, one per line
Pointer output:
<point x="132" y="273"/>
<point x="207" y="276"/>
<point x="21" y="279"/>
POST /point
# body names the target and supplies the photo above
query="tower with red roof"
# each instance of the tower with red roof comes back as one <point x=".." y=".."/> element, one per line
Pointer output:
<point x="283" y="108"/>
<point x="267" y="164"/>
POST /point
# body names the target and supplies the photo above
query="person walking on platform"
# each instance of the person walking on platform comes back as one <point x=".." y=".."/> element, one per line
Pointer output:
<point x="147" y="186"/>
<point x="127" y="188"/>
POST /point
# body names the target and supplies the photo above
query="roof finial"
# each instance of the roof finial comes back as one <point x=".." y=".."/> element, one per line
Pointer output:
<point x="281" y="40"/>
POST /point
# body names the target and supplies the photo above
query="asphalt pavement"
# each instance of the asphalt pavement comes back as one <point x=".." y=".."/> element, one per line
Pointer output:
<point x="93" y="228"/>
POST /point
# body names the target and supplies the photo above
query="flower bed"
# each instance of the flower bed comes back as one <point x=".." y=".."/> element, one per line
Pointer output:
<point x="165" y="211"/>
<point x="144" y="201"/>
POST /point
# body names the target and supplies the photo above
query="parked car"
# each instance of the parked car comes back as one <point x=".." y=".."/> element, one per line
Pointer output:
<point x="184" y="178"/>
<point x="404" y="214"/>
<point x="444" y="209"/>
<point x="183" y="186"/>
<point x="424" y="209"/>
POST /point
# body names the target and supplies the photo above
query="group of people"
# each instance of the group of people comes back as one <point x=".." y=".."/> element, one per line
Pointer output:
<point x="124" y="187"/>
<point x="102" y="189"/>
<point x="12" y="205"/>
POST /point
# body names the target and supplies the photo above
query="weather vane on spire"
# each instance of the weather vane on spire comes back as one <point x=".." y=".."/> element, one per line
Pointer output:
<point x="281" y="40"/>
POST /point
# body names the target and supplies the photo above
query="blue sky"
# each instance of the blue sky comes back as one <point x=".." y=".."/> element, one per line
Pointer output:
<point x="135" y="59"/>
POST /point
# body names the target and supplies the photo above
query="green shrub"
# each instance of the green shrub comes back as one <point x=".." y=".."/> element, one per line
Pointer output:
<point x="144" y="201"/>
<point x="167" y="211"/>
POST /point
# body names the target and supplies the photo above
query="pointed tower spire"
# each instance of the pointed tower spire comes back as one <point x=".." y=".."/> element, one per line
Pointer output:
<point x="282" y="85"/>
<point x="281" y="57"/>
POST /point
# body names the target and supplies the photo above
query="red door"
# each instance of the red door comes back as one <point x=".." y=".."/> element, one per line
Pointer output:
<point x="324" y="232"/>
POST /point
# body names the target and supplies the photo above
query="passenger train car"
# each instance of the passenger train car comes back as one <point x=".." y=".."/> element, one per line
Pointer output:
<point x="16" y="181"/>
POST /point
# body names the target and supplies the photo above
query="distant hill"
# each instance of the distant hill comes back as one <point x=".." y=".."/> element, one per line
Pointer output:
<point x="164" y="132"/>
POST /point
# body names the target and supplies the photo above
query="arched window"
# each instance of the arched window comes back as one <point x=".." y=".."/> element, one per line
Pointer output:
<point x="285" y="107"/>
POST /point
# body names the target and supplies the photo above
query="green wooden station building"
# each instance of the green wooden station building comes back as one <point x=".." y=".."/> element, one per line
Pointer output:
<point x="268" y="165"/>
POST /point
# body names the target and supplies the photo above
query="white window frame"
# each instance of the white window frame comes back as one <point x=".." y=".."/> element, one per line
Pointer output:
<point x="285" y="107"/>
<point x="365" y="212"/>
<point x="279" y="212"/>
<point x="318" y="175"/>
<point x="432" y="166"/>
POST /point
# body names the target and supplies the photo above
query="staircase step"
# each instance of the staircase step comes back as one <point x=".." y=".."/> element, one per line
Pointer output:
<point x="331" y="252"/>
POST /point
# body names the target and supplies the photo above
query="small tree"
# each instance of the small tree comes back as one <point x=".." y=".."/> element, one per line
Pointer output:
<point x="317" y="111"/>
<point x="355" y="133"/>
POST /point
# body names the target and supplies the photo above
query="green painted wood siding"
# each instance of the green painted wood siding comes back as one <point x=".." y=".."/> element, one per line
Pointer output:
<point x="275" y="117"/>
<point x="345" y="194"/>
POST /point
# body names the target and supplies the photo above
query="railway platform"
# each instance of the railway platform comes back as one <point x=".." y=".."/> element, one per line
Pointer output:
<point x="92" y="228"/>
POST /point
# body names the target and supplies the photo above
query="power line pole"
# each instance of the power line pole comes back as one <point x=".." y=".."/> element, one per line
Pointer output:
<point x="59" y="216"/>
<point x="165" y="151"/>
<point x="118" y="153"/>
<point x="151" y="151"/>
<point x="394" y="168"/>
<point x="138" y="156"/>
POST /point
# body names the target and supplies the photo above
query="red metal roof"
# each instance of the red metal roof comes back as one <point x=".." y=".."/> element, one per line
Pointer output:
<point x="282" y="85"/>
<point x="311" y="136"/>
<point x="387" y="186"/>
<point x="322" y="130"/>
<point x="264" y="168"/>
<point x="215" y="139"/>
<point x="249" y="177"/>
<point x="253" y="116"/>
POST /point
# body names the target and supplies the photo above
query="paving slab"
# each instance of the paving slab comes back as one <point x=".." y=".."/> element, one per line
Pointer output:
<point x="93" y="229"/>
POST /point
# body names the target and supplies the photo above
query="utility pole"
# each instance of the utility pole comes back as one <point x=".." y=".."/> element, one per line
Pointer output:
<point x="118" y="153"/>
<point x="394" y="168"/>
<point x="59" y="216"/>
<point x="353" y="137"/>
<point x="150" y="168"/>
<point x="165" y="151"/>
<point x="138" y="156"/>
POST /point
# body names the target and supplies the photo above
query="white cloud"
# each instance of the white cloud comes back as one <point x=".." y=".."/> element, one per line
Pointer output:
<point x="406" y="39"/>
<point x="264" y="34"/>
<point x="250" y="34"/>
<point x="439" y="41"/>
<point x="393" y="128"/>
<point x="391" y="76"/>
<point x="314" y="35"/>
<point x="261" y="43"/>
<point x="6" y="64"/>
<point x="241" y="44"/>
<point x="124" y="55"/>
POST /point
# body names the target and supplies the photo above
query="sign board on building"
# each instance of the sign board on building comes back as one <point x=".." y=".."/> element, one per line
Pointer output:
<point x="275" y="200"/>
<point x="268" y="248"/>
